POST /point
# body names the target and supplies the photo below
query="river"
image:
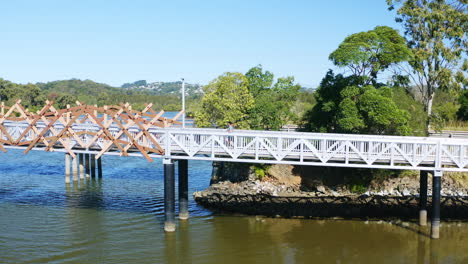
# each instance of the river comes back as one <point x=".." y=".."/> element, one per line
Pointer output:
<point x="119" y="219"/>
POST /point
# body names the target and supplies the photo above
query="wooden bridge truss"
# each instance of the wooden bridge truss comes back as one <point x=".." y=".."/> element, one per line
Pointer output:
<point x="82" y="127"/>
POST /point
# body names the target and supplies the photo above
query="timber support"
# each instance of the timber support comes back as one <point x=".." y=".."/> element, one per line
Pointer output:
<point x="423" y="198"/>
<point x="183" y="190"/>
<point x="99" y="167"/>
<point x="93" y="165"/>
<point x="81" y="161"/>
<point x="67" y="168"/>
<point x="169" y="196"/>
<point x="87" y="165"/>
<point x="435" y="218"/>
<point x="75" y="168"/>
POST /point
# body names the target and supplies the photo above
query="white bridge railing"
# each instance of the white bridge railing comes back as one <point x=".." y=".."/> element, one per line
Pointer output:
<point x="338" y="150"/>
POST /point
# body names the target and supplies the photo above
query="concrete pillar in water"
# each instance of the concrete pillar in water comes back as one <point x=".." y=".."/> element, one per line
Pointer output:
<point x="423" y="198"/>
<point x="93" y="165"/>
<point x="99" y="167"/>
<point x="169" y="196"/>
<point x="67" y="168"/>
<point x="183" y="190"/>
<point x="81" y="161"/>
<point x="435" y="219"/>
<point x="75" y="168"/>
<point x="87" y="168"/>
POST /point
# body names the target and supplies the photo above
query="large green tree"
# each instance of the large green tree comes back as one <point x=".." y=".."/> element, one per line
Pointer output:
<point x="273" y="102"/>
<point x="227" y="99"/>
<point x="436" y="32"/>
<point x="346" y="105"/>
<point x="368" y="53"/>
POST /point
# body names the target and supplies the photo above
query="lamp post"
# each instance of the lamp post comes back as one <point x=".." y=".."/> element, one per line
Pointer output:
<point x="183" y="103"/>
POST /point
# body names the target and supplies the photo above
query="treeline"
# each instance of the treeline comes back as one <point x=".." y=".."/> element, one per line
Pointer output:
<point x="66" y="92"/>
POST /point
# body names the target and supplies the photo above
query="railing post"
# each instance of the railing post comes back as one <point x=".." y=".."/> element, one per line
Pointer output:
<point x="423" y="198"/>
<point x="169" y="197"/>
<point x="435" y="220"/>
<point x="183" y="189"/>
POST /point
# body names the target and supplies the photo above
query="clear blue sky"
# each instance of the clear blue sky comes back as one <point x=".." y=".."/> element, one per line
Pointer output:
<point x="123" y="41"/>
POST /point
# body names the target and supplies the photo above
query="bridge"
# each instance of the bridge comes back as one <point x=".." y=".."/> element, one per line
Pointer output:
<point x="86" y="133"/>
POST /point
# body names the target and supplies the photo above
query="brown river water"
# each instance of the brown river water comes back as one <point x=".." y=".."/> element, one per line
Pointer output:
<point x="119" y="219"/>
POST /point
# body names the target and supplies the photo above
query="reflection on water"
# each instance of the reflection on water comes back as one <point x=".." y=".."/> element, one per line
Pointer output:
<point x="119" y="219"/>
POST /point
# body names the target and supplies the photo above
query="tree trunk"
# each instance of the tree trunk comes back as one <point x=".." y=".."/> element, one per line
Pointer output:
<point x="429" y="111"/>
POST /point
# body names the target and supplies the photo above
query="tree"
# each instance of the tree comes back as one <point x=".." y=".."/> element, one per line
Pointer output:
<point x="227" y="99"/>
<point x="273" y="103"/>
<point x="258" y="80"/>
<point x="103" y="99"/>
<point x="65" y="99"/>
<point x="31" y="96"/>
<point x="462" y="113"/>
<point x="436" y="33"/>
<point x="344" y="105"/>
<point x="368" y="53"/>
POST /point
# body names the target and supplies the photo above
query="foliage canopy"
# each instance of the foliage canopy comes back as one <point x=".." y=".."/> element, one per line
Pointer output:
<point x="368" y="53"/>
<point x="227" y="99"/>
<point x="344" y="105"/>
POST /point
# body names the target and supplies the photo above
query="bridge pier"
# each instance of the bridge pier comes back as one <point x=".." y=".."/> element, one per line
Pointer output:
<point x="435" y="219"/>
<point x="87" y="168"/>
<point x="183" y="190"/>
<point x="93" y="165"/>
<point x="75" y="168"/>
<point x="169" y="196"/>
<point x="99" y="167"/>
<point x="67" y="168"/>
<point x="423" y="198"/>
<point x="81" y="161"/>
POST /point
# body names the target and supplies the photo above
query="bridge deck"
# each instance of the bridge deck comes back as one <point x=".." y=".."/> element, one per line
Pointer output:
<point x="130" y="133"/>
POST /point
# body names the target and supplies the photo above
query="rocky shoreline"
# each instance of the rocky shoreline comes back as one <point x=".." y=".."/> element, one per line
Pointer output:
<point x="259" y="198"/>
<point x="282" y="196"/>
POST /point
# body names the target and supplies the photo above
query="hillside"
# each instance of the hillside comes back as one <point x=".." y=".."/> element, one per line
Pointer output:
<point x="77" y="87"/>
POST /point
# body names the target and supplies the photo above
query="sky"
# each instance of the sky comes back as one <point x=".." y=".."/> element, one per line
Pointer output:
<point x="115" y="42"/>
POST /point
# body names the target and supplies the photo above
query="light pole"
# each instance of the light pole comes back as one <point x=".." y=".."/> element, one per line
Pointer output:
<point x="183" y="103"/>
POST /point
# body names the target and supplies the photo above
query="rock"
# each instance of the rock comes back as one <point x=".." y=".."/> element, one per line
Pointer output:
<point x="405" y="192"/>
<point x="321" y="189"/>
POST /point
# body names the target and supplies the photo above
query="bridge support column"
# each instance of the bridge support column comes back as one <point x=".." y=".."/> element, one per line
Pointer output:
<point x="99" y="167"/>
<point x="169" y="196"/>
<point x="81" y="161"/>
<point x="435" y="220"/>
<point x="93" y="165"/>
<point x="423" y="198"/>
<point x="67" y="168"/>
<point x="87" y="168"/>
<point x="75" y="168"/>
<point x="183" y="190"/>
